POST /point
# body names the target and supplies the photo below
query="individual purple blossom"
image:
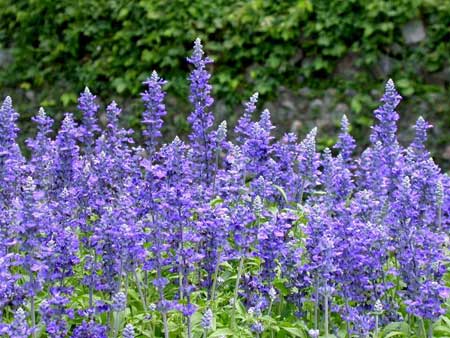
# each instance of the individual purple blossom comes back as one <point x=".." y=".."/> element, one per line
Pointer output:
<point x="155" y="110"/>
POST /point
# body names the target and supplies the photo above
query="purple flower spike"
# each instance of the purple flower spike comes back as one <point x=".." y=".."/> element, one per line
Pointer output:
<point x="89" y="128"/>
<point x="201" y="118"/>
<point x="155" y="110"/>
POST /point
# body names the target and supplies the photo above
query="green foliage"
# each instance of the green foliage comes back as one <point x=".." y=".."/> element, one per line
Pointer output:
<point x="113" y="45"/>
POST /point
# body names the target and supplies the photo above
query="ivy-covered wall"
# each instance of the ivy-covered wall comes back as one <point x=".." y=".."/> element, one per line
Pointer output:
<point x="310" y="60"/>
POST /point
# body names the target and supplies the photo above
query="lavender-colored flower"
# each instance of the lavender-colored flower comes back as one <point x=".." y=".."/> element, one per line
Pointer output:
<point x="155" y="110"/>
<point x="346" y="143"/>
<point x="308" y="164"/>
<point x="66" y="164"/>
<point x="90" y="329"/>
<point x="19" y="327"/>
<point x="221" y="133"/>
<point x="119" y="301"/>
<point x="201" y="119"/>
<point x="89" y="128"/>
<point x="11" y="159"/>
<point x="313" y="333"/>
<point x="257" y="327"/>
<point x="258" y="147"/>
<point x="42" y="151"/>
<point x="363" y="239"/>
<point x="55" y="312"/>
<point x="206" y="321"/>
<point x="244" y="124"/>
<point x="385" y="130"/>
<point x="128" y="331"/>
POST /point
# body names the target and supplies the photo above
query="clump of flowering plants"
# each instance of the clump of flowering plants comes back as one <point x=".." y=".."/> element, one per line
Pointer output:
<point x="209" y="237"/>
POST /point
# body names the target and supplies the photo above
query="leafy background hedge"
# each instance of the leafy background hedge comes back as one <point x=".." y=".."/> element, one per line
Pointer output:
<point x="310" y="60"/>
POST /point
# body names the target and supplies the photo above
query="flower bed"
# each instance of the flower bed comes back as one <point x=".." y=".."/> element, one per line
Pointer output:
<point x="254" y="237"/>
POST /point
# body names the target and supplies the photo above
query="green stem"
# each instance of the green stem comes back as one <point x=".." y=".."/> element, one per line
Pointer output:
<point x="316" y="306"/>
<point x="347" y="322"/>
<point x="422" y="326"/>
<point x="116" y="324"/>
<point x="236" y="289"/>
<point x="439" y="218"/>
<point x="326" y="315"/>
<point x="32" y="310"/>
<point x="189" y="327"/>
<point x="141" y="294"/>
<point x="166" y="327"/>
<point x="430" y="329"/>
<point x="269" y="312"/>
<point x="217" y="169"/>
<point x="214" y="285"/>
<point x="376" y="326"/>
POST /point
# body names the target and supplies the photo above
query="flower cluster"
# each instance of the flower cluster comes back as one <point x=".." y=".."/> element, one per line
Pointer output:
<point x="90" y="220"/>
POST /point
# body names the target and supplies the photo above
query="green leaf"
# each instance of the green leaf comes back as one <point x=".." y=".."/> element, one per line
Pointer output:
<point x="222" y="332"/>
<point x="295" y="331"/>
<point x="396" y="329"/>
<point x="282" y="192"/>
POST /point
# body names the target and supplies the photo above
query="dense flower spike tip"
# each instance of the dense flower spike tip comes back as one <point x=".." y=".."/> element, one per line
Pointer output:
<point x="8" y="118"/>
<point x="421" y="127"/>
<point x="119" y="301"/>
<point x="19" y="327"/>
<point x="386" y="129"/>
<point x="206" y="321"/>
<point x="128" y="331"/>
<point x="244" y="124"/>
<point x="90" y="128"/>
<point x="250" y="106"/>
<point x="222" y="132"/>
<point x="112" y="114"/>
<point x="346" y="143"/>
<point x="155" y="110"/>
